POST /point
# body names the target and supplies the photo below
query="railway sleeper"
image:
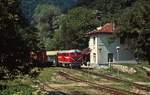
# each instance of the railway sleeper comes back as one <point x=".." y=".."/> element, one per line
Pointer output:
<point x="139" y="86"/>
<point x="98" y="86"/>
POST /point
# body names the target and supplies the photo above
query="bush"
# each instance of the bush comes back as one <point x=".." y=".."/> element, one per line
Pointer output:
<point x="16" y="90"/>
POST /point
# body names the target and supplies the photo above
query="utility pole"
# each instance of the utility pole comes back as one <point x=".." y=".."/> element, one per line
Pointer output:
<point x="117" y="48"/>
<point x="88" y="64"/>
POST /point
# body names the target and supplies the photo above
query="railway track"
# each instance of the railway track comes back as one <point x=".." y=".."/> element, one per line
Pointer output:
<point x="139" y="86"/>
<point x="113" y="91"/>
<point x="46" y="88"/>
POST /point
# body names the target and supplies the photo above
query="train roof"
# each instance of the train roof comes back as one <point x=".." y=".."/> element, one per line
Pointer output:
<point x="51" y="53"/>
<point x="69" y="51"/>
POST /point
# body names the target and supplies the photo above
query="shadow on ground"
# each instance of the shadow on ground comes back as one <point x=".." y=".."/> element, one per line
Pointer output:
<point x="62" y="93"/>
<point x="78" y="93"/>
<point x="56" y="93"/>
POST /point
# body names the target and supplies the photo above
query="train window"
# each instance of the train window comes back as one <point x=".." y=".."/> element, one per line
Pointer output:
<point x="60" y="54"/>
<point x="65" y="54"/>
<point x="78" y="54"/>
<point x="72" y="54"/>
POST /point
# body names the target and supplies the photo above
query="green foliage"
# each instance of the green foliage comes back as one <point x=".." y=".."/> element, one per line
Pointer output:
<point x="15" y="87"/>
<point x="133" y="24"/>
<point x="15" y="45"/>
<point x="46" y="21"/>
<point x="132" y="20"/>
<point x="73" y="28"/>
<point x="106" y="8"/>
<point x="28" y="6"/>
<point x="16" y="90"/>
<point x="31" y="38"/>
<point x="56" y="41"/>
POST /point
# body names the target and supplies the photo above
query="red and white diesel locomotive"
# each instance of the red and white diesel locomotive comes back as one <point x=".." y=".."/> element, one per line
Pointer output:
<point x="58" y="58"/>
<point x="70" y="57"/>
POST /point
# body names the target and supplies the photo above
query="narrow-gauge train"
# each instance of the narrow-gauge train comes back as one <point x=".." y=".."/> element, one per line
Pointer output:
<point x="69" y="57"/>
<point x="59" y="58"/>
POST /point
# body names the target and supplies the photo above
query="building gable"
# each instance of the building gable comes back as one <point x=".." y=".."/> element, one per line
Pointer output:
<point x="107" y="29"/>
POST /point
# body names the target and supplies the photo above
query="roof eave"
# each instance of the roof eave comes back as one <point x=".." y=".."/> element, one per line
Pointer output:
<point x="95" y="33"/>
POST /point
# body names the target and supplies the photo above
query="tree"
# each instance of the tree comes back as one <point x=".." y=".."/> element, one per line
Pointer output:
<point x="46" y="21"/>
<point x="73" y="28"/>
<point x="106" y="8"/>
<point x="14" y="48"/>
<point x="132" y="21"/>
<point x="28" y="6"/>
<point x="133" y="24"/>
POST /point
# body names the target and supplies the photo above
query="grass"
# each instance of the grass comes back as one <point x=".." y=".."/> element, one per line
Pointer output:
<point x="23" y="85"/>
<point x="50" y="75"/>
<point x="80" y="89"/>
<point x="140" y="75"/>
<point x="15" y="88"/>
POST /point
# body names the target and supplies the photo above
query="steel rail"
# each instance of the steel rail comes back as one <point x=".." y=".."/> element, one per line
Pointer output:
<point x="139" y="86"/>
<point x="113" y="91"/>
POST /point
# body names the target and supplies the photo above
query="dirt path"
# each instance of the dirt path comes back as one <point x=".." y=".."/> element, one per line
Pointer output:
<point x="63" y="88"/>
<point x="143" y="83"/>
<point x="78" y="84"/>
<point x="67" y="85"/>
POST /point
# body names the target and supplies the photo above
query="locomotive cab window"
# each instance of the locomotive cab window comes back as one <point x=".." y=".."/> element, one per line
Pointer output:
<point x="72" y="54"/>
<point x="65" y="54"/>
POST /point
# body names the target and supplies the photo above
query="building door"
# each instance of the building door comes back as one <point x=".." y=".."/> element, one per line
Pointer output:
<point x="100" y="56"/>
<point x="110" y="57"/>
<point x="94" y="57"/>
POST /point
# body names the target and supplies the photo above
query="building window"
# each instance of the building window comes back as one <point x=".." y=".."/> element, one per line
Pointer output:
<point x="94" y="40"/>
<point x="110" y="57"/>
<point x="94" y="57"/>
<point x="100" y="50"/>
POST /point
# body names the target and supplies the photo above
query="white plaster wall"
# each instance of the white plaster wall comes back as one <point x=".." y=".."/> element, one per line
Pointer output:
<point x="125" y="56"/>
<point x="102" y="48"/>
<point x="93" y="48"/>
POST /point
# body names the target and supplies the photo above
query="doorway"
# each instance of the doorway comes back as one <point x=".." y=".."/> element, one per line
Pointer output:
<point x="110" y="57"/>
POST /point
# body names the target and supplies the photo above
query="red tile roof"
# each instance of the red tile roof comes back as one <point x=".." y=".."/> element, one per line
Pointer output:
<point x="107" y="28"/>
